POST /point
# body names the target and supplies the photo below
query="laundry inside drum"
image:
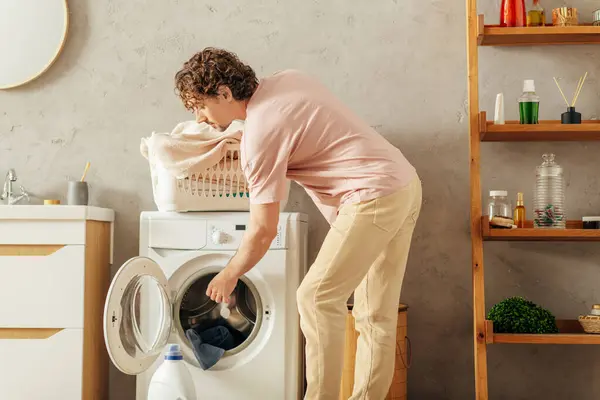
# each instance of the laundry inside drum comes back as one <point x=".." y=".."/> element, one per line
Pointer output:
<point x="232" y="326"/>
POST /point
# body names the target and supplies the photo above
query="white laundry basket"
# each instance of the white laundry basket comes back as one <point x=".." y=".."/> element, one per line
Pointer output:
<point x="222" y="187"/>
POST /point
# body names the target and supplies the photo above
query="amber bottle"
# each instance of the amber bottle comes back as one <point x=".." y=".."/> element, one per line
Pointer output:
<point x="536" y="16"/>
<point x="519" y="214"/>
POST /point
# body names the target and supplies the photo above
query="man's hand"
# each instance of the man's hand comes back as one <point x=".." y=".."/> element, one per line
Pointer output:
<point x="255" y="243"/>
<point x="221" y="287"/>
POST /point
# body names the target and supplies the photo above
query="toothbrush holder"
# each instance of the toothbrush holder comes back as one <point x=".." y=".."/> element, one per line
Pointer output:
<point x="77" y="193"/>
<point x="571" y="116"/>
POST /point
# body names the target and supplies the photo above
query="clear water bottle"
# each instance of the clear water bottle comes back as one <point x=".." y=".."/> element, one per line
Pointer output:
<point x="549" y="199"/>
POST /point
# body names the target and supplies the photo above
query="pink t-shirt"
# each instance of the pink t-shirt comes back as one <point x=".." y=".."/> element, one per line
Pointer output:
<point x="296" y="129"/>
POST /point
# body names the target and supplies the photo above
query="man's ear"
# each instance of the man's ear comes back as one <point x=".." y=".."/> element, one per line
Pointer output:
<point x="225" y="93"/>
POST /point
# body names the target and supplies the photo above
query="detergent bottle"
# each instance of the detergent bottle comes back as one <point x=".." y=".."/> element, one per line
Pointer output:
<point x="172" y="380"/>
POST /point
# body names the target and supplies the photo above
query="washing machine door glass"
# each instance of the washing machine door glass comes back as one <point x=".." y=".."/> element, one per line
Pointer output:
<point x="137" y="315"/>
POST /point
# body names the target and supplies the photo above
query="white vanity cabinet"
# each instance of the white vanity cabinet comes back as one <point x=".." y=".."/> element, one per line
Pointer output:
<point x="54" y="274"/>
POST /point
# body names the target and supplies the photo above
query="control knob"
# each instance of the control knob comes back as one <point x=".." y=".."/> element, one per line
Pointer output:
<point x="219" y="237"/>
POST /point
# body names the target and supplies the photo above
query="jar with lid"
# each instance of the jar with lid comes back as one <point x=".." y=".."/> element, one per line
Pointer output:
<point x="595" y="309"/>
<point x="549" y="199"/>
<point x="500" y="209"/>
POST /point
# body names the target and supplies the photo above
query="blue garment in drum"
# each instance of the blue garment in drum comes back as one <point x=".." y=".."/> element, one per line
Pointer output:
<point x="210" y="344"/>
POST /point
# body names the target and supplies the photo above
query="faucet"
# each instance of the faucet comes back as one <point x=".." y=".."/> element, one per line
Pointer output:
<point x="7" y="193"/>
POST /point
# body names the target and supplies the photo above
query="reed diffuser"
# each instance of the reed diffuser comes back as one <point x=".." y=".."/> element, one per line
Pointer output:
<point x="571" y="116"/>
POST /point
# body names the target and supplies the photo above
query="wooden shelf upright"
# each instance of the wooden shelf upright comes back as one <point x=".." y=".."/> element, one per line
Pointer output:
<point x="480" y="34"/>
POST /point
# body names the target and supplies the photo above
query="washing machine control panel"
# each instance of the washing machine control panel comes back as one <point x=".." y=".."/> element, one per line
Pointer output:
<point x="227" y="235"/>
<point x="218" y="237"/>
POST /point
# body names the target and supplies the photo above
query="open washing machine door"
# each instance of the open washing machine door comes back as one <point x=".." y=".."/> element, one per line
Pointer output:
<point x="137" y="315"/>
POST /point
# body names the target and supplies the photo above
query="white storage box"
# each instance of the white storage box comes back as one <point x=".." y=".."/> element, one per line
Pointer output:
<point x="222" y="187"/>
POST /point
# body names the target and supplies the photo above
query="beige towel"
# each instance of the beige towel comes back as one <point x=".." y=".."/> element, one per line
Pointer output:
<point x="191" y="148"/>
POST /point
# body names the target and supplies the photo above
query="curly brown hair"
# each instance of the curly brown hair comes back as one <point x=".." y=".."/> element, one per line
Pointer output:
<point x="203" y="74"/>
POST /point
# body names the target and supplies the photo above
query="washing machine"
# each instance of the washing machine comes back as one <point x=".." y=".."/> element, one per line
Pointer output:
<point x="156" y="297"/>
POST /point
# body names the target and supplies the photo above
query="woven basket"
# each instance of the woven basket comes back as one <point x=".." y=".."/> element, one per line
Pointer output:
<point x="590" y="323"/>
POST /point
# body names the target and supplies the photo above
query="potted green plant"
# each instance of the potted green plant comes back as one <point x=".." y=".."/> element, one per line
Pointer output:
<point x="519" y="315"/>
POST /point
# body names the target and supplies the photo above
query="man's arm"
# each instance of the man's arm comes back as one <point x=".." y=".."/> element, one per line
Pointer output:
<point x="265" y="163"/>
<point x="261" y="231"/>
<point x="264" y="219"/>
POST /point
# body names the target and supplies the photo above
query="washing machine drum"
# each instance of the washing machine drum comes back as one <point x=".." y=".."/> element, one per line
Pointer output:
<point x="239" y="318"/>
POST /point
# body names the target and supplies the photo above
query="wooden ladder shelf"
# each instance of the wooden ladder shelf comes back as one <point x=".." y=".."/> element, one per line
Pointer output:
<point x="480" y="129"/>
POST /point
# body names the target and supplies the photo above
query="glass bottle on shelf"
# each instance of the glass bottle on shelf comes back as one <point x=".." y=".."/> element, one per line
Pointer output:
<point x="519" y="214"/>
<point x="536" y="16"/>
<point x="549" y="199"/>
<point x="513" y="13"/>
<point x="529" y="104"/>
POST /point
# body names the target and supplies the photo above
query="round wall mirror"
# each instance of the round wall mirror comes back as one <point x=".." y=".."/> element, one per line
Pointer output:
<point x="32" y="34"/>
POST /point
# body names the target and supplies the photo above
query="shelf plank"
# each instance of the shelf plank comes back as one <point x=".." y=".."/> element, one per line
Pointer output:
<point x="570" y="332"/>
<point x="494" y="35"/>
<point x="573" y="233"/>
<point x="545" y="131"/>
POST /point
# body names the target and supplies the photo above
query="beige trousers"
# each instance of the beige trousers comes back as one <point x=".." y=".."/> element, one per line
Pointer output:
<point x="365" y="252"/>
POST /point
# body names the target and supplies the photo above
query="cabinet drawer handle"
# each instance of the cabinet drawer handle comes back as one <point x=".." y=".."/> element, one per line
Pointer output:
<point x="28" y="333"/>
<point x="29" y="250"/>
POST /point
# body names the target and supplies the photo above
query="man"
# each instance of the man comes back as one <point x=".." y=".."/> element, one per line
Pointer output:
<point x="296" y="129"/>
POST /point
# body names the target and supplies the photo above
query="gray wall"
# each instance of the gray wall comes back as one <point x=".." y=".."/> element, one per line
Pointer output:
<point x="401" y="66"/>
